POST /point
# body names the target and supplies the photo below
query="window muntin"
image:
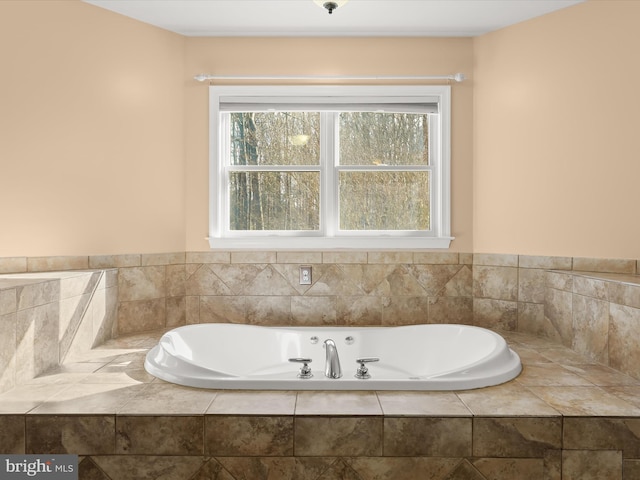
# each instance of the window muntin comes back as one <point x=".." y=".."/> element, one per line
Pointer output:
<point x="316" y="156"/>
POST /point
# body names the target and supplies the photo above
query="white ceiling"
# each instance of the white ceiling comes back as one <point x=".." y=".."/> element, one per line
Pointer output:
<point x="356" y="18"/>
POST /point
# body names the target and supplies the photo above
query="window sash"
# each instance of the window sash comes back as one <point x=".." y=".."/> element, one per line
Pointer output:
<point x="226" y="99"/>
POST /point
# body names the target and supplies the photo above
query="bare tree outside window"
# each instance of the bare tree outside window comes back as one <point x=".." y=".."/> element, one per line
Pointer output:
<point x="379" y="159"/>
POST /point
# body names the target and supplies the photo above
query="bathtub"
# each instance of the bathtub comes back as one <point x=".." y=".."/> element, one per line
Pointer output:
<point x="416" y="357"/>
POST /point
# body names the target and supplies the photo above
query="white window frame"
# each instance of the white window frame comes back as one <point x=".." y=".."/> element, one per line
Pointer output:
<point x="440" y="164"/>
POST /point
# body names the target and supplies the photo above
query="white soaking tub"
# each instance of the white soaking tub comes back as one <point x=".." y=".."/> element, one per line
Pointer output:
<point x="416" y="357"/>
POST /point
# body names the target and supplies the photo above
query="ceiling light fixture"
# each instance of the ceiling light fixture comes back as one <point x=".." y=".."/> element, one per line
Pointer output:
<point x="330" y="6"/>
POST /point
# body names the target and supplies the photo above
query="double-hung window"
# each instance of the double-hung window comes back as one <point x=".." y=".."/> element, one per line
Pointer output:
<point x="317" y="167"/>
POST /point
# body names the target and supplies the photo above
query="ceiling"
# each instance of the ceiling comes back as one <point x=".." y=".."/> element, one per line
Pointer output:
<point x="357" y="18"/>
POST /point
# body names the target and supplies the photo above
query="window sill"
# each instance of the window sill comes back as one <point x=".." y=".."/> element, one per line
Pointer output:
<point x="333" y="243"/>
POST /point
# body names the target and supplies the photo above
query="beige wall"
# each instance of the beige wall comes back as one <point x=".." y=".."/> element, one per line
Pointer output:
<point x="91" y="128"/>
<point x="105" y="146"/>
<point x="328" y="56"/>
<point x="556" y="163"/>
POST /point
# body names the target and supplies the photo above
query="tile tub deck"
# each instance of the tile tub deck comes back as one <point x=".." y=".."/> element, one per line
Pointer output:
<point x="562" y="418"/>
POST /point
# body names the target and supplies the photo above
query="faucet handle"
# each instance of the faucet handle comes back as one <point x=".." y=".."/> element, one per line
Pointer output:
<point x="305" y="370"/>
<point x="363" y="371"/>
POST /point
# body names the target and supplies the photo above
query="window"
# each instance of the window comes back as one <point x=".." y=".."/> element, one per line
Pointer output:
<point x="329" y="167"/>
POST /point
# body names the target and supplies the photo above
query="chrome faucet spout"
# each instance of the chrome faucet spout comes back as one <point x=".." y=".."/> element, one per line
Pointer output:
<point x="332" y="368"/>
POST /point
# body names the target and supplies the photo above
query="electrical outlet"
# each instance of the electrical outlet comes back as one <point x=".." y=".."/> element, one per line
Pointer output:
<point x="305" y="275"/>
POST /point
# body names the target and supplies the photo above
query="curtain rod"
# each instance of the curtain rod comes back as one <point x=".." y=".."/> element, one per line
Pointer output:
<point x="203" y="77"/>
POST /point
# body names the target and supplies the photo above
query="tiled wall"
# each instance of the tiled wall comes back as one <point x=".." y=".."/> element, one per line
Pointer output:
<point x="47" y="317"/>
<point x="509" y="292"/>
<point x="597" y="315"/>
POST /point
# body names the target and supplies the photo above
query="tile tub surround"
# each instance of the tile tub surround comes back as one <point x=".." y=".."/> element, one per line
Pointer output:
<point x="47" y="317"/>
<point x="565" y="417"/>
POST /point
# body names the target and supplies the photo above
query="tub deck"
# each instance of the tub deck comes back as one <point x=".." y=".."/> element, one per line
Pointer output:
<point x="563" y="418"/>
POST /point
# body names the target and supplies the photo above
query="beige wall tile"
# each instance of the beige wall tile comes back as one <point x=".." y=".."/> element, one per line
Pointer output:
<point x="268" y="281"/>
<point x="311" y="311"/>
<point x="140" y="435"/>
<point x="630" y="469"/>
<point x="624" y="294"/>
<point x="366" y="278"/>
<point x="358" y="310"/>
<point x="13" y="264"/>
<point x="8" y="344"/>
<point x="248" y="435"/>
<point x="584" y="401"/>
<point x="406" y="468"/>
<point x="253" y="403"/>
<point x="203" y="281"/>
<point x="208" y="257"/>
<point x="193" y="309"/>
<point x="405" y="310"/>
<point x="79" y="283"/>
<point x="549" y="263"/>
<point x="413" y="404"/>
<point x="268" y="310"/>
<point x="531" y="320"/>
<point x="509" y="399"/>
<point x="338" y="436"/>
<point x="612" y="265"/>
<point x="168" y="399"/>
<point x="114" y="261"/>
<point x="390" y="257"/>
<point x="512" y="468"/>
<point x="37" y="341"/>
<point x="344" y="257"/>
<point x="427" y="436"/>
<point x="489" y="313"/>
<point x="591" y="328"/>
<point x="147" y="466"/>
<point x="498" y="260"/>
<point x="253" y="257"/>
<point x="559" y="281"/>
<point x="558" y="310"/>
<point x="435" y="279"/>
<point x="337" y="403"/>
<point x="591" y="465"/>
<point x="220" y="309"/>
<point x="598" y="433"/>
<point x="465" y="258"/>
<point x="79" y="435"/>
<point x="336" y="281"/>
<point x="8" y="301"/>
<point x="238" y="277"/>
<point x="436" y="258"/>
<point x="174" y="258"/>
<point x="451" y="310"/>
<point x="176" y="311"/>
<point x="591" y="287"/>
<point x="400" y="282"/>
<point x="624" y="331"/>
<point x="141" y="316"/>
<point x="12" y="435"/>
<point x="303" y="258"/>
<point x="499" y="283"/>
<point x="176" y="277"/>
<point x="531" y="285"/>
<point x="516" y="436"/>
<point x="142" y="283"/>
<point x="50" y="264"/>
<point x="36" y="294"/>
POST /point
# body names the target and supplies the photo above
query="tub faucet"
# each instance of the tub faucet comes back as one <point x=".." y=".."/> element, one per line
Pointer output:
<point x="332" y="368"/>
